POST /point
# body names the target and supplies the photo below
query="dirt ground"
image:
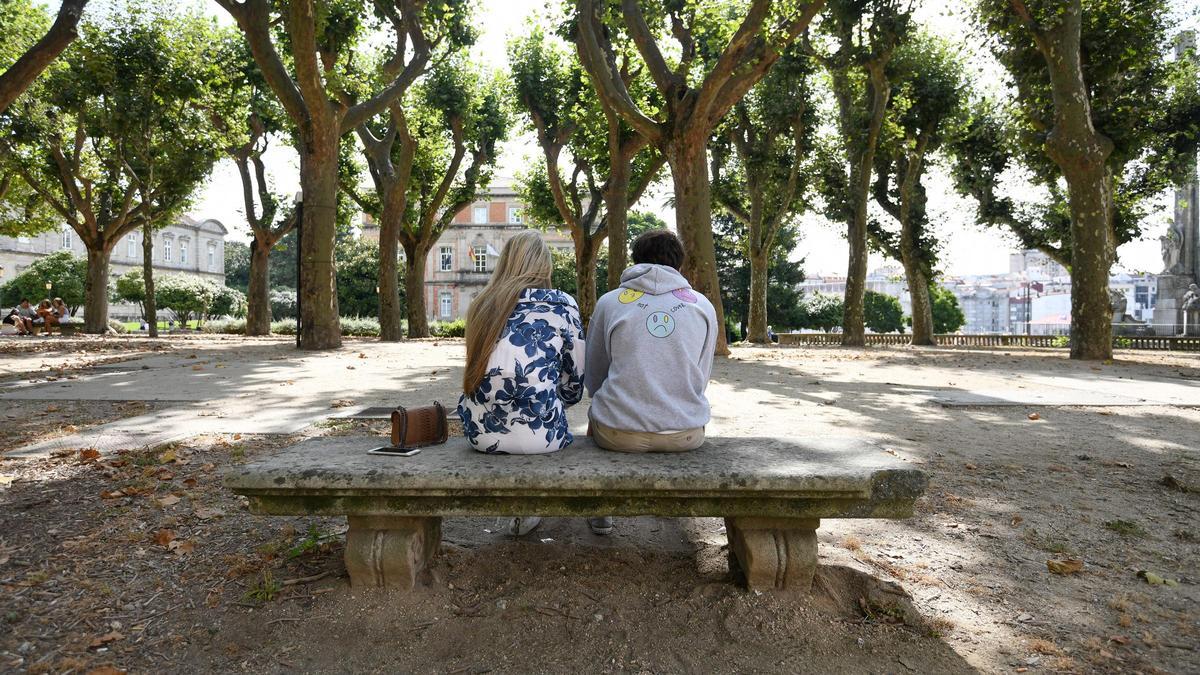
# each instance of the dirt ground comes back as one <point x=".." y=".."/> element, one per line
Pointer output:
<point x="141" y="562"/>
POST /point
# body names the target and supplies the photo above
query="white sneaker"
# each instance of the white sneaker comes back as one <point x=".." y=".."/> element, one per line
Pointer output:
<point x="522" y="525"/>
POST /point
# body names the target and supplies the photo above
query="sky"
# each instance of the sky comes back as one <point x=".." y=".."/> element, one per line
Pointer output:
<point x="967" y="248"/>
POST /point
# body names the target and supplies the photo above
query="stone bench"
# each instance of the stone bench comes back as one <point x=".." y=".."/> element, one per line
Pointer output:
<point x="772" y="494"/>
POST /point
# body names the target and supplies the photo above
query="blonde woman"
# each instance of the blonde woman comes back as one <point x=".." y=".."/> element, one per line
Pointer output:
<point x="524" y="357"/>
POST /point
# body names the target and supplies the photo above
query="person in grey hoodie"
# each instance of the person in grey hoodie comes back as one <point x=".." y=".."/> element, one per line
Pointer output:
<point x="649" y="356"/>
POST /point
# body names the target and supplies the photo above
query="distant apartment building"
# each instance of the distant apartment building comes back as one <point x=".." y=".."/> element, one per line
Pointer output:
<point x="463" y="258"/>
<point x="1036" y="265"/>
<point x="187" y="247"/>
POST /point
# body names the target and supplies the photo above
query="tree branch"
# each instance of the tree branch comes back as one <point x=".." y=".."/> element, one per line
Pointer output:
<point x="22" y="73"/>
<point x="595" y="53"/>
<point x="254" y="18"/>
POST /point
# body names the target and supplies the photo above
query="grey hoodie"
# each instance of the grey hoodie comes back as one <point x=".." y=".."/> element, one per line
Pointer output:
<point x="650" y="348"/>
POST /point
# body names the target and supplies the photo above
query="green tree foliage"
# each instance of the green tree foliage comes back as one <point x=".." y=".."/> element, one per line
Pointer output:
<point x="357" y="265"/>
<point x="762" y="173"/>
<point x="883" y="313"/>
<point x="116" y="136"/>
<point x="131" y="287"/>
<point x="65" y="273"/>
<point x="820" y="312"/>
<point x="735" y="272"/>
<point x="237" y="265"/>
<point x="925" y="109"/>
<point x="948" y="316"/>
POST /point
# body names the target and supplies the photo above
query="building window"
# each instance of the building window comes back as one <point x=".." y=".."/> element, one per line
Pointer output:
<point x="131" y="246"/>
<point x="167" y="256"/>
<point x="479" y="215"/>
<point x="479" y="253"/>
<point x="445" y="304"/>
<point x="183" y="251"/>
<point x="514" y="215"/>
<point x="66" y="238"/>
<point x="212" y="257"/>
<point x="445" y="258"/>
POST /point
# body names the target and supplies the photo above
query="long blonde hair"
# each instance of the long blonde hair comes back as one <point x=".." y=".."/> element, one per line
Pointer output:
<point x="524" y="263"/>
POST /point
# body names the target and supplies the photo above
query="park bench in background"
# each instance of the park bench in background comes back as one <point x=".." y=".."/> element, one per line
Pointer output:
<point x="772" y="494"/>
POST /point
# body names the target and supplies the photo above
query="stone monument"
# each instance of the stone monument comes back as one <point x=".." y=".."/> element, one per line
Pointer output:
<point x="1181" y="244"/>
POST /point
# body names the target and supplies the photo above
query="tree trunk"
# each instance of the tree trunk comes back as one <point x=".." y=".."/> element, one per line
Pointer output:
<point x="414" y="290"/>
<point x="853" y="315"/>
<point x="258" y="294"/>
<point x="693" y="222"/>
<point x="95" y="305"/>
<point x="319" y="324"/>
<point x="390" y="221"/>
<point x="759" y="261"/>
<point x="616" y="206"/>
<point x="922" y="306"/>
<point x="585" y="278"/>
<point x="151" y="303"/>
<point x="1081" y="152"/>
<point x="1091" y="309"/>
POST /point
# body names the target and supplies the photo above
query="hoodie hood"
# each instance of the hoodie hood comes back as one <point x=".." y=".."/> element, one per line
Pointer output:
<point x="653" y="279"/>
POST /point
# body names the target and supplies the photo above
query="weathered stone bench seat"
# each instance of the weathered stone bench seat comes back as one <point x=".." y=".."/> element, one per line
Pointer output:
<point x="771" y="492"/>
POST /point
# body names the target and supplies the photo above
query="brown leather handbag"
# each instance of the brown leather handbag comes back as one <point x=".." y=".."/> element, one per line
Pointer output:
<point x="419" y="427"/>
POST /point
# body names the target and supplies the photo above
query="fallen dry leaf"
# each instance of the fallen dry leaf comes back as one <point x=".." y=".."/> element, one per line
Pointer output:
<point x="89" y="454"/>
<point x="167" y="457"/>
<point x="197" y="367"/>
<point x="167" y="500"/>
<point x="1034" y="416"/>
<point x="1016" y="520"/>
<point x="189" y="482"/>
<point x="165" y="474"/>
<point x="1119" y="639"/>
<point x="105" y="494"/>
<point x="237" y="437"/>
<point x="181" y="546"/>
<point x="1065" y="566"/>
<point x="341" y="403"/>
<point x="105" y="639"/>
<point x="164" y="537"/>
<point x="107" y="670"/>
<point x="205" y="513"/>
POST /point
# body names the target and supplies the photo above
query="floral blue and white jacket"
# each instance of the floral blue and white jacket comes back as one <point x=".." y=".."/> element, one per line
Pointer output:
<point x="534" y="373"/>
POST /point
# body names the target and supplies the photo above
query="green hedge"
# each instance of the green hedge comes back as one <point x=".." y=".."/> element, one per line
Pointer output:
<point x="351" y="326"/>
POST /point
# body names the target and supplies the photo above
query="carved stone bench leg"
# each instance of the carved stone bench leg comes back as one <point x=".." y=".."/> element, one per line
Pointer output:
<point x="390" y="551"/>
<point x="774" y="553"/>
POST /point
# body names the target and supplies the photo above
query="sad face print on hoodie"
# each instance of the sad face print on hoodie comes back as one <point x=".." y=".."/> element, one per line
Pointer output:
<point x="649" y="353"/>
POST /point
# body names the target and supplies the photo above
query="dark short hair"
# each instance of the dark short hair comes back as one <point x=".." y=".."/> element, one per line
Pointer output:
<point x="23" y="300"/>
<point x="659" y="247"/>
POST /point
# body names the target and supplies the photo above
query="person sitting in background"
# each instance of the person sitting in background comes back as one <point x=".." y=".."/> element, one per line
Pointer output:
<point x="61" y="312"/>
<point x="13" y="318"/>
<point x="43" y="318"/>
<point x="27" y="314"/>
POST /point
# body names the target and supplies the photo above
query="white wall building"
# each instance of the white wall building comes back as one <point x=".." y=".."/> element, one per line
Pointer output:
<point x="187" y="247"/>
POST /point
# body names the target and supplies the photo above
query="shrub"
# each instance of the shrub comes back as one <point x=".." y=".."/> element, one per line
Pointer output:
<point x="283" y="304"/>
<point x="820" y="312"/>
<point x="189" y="297"/>
<point x="360" y="326"/>
<point x="67" y="276"/>
<point x="882" y="313"/>
<point x="948" y="316"/>
<point x="131" y="288"/>
<point x="227" y="302"/>
<point x="456" y="328"/>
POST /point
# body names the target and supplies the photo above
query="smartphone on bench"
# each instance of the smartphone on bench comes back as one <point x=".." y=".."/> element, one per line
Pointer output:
<point x="394" y="452"/>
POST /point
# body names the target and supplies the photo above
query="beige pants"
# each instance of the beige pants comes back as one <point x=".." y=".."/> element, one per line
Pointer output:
<point x="646" y="441"/>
